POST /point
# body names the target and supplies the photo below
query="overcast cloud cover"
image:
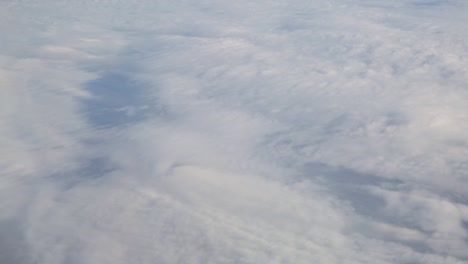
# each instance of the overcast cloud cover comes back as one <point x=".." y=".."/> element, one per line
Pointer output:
<point x="215" y="131"/>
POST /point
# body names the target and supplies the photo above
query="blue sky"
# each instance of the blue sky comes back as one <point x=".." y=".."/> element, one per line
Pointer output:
<point x="233" y="132"/>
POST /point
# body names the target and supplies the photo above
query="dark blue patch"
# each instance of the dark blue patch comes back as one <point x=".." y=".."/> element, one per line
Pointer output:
<point x="117" y="100"/>
<point x="349" y="185"/>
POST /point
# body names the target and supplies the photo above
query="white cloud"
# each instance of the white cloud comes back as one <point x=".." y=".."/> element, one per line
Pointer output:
<point x="246" y="132"/>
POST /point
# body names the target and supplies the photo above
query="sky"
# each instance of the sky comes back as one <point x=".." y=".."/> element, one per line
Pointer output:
<point x="217" y="131"/>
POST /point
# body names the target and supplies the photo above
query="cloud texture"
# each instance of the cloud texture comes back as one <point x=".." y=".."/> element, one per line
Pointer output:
<point x="233" y="132"/>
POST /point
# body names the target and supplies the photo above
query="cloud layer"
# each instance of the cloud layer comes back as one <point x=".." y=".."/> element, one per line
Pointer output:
<point x="246" y="132"/>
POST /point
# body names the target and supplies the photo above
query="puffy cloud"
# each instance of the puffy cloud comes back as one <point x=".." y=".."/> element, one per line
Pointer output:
<point x="246" y="132"/>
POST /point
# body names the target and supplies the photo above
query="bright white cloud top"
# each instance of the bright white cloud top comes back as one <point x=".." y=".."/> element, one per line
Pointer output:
<point x="220" y="131"/>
